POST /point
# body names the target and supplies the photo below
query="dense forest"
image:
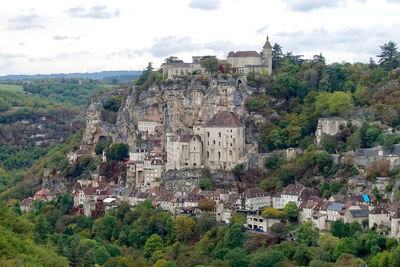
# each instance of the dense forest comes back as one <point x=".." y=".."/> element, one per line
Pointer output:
<point x="295" y="95"/>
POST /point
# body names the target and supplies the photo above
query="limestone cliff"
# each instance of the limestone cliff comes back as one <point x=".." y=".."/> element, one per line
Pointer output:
<point x="182" y="104"/>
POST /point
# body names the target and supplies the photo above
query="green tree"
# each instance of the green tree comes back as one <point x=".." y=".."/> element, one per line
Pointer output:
<point x="291" y="211"/>
<point x="206" y="184"/>
<point x="227" y="67"/>
<point x="324" y="161"/>
<point x="42" y="230"/>
<point x="173" y="59"/>
<point x="154" y="243"/>
<point x="345" y="245"/>
<point x="307" y="234"/>
<point x="234" y="237"/>
<point x="267" y="258"/>
<point x="210" y="64"/>
<point x="389" y="56"/>
<point x="101" y="254"/>
<point x="239" y="219"/>
<point x="277" y="56"/>
<point x="182" y="229"/>
<point x="340" y="102"/>
<point x="236" y="257"/>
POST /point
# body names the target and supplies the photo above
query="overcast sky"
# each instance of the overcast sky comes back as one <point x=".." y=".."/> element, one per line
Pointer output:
<point x="48" y="36"/>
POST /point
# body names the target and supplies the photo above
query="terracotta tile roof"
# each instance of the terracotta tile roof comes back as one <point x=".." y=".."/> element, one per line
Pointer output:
<point x="152" y="118"/>
<point x="186" y="138"/>
<point x="243" y="54"/>
<point x="42" y="193"/>
<point x="224" y="119"/>
<point x="89" y="190"/>
<point x="378" y="210"/>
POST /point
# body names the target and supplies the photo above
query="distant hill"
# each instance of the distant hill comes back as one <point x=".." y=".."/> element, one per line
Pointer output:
<point x="132" y="74"/>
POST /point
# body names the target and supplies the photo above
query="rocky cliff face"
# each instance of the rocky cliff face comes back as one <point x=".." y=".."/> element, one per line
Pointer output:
<point x="181" y="104"/>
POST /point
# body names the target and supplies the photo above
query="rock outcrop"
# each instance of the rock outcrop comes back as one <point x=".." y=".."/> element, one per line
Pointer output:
<point x="181" y="104"/>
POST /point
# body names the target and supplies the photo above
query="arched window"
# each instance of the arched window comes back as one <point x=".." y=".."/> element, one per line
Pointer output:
<point x="208" y="154"/>
<point x="219" y="154"/>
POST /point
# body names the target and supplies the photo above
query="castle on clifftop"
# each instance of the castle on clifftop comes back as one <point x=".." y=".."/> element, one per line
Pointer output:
<point x="241" y="62"/>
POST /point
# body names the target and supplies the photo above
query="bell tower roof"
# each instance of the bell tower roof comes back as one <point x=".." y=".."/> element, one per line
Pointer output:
<point x="267" y="44"/>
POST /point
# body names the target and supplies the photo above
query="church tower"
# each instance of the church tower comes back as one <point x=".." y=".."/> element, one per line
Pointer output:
<point x="267" y="55"/>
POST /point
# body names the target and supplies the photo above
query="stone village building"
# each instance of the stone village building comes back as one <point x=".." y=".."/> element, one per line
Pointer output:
<point x="218" y="144"/>
<point x="241" y="61"/>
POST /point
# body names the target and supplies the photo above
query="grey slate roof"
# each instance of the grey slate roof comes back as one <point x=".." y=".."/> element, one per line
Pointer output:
<point x="359" y="213"/>
<point x="336" y="206"/>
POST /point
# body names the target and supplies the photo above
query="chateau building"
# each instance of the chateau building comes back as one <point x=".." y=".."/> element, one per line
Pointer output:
<point x="241" y="61"/>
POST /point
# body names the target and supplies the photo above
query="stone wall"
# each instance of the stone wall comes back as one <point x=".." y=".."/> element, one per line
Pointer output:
<point x="331" y="126"/>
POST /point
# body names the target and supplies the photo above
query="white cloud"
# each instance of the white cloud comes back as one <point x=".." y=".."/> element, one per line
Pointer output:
<point x="64" y="37"/>
<point x="51" y="37"/>
<point x="95" y="12"/>
<point x="205" y="4"/>
<point x="25" y="22"/>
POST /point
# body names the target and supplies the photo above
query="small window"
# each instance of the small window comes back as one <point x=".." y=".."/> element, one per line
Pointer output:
<point x="219" y="143"/>
<point x="230" y="152"/>
<point x="208" y="134"/>
<point x="214" y="142"/>
<point x="219" y="134"/>
<point x="219" y="154"/>
<point x="208" y="154"/>
<point x="231" y="144"/>
<point x="231" y="131"/>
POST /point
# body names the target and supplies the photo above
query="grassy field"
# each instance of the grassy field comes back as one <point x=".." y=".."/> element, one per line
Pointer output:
<point x="11" y="87"/>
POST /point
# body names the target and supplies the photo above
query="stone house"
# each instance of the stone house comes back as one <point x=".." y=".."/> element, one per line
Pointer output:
<point x="109" y="203"/>
<point x="378" y="216"/>
<point x="292" y="194"/>
<point x="185" y="152"/>
<point x="308" y="209"/>
<point x="333" y="211"/>
<point x="153" y="172"/>
<point x="254" y="220"/>
<point x="149" y="124"/>
<point x="26" y="204"/>
<point x="137" y="153"/>
<point x="172" y="70"/>
<point x="255" y="198"/>
<point x="355" y="215"/>
<point x="223" y="141"/>
<point x="42" y="194"/>
<point x="395" y="225"/>
<point x="319" y="221"/>
<point x="220" y="144"/>
<point x="277" y="201"/>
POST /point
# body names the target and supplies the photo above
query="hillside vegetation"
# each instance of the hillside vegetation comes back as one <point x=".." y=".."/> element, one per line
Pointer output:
<point x="292" y="98"/>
